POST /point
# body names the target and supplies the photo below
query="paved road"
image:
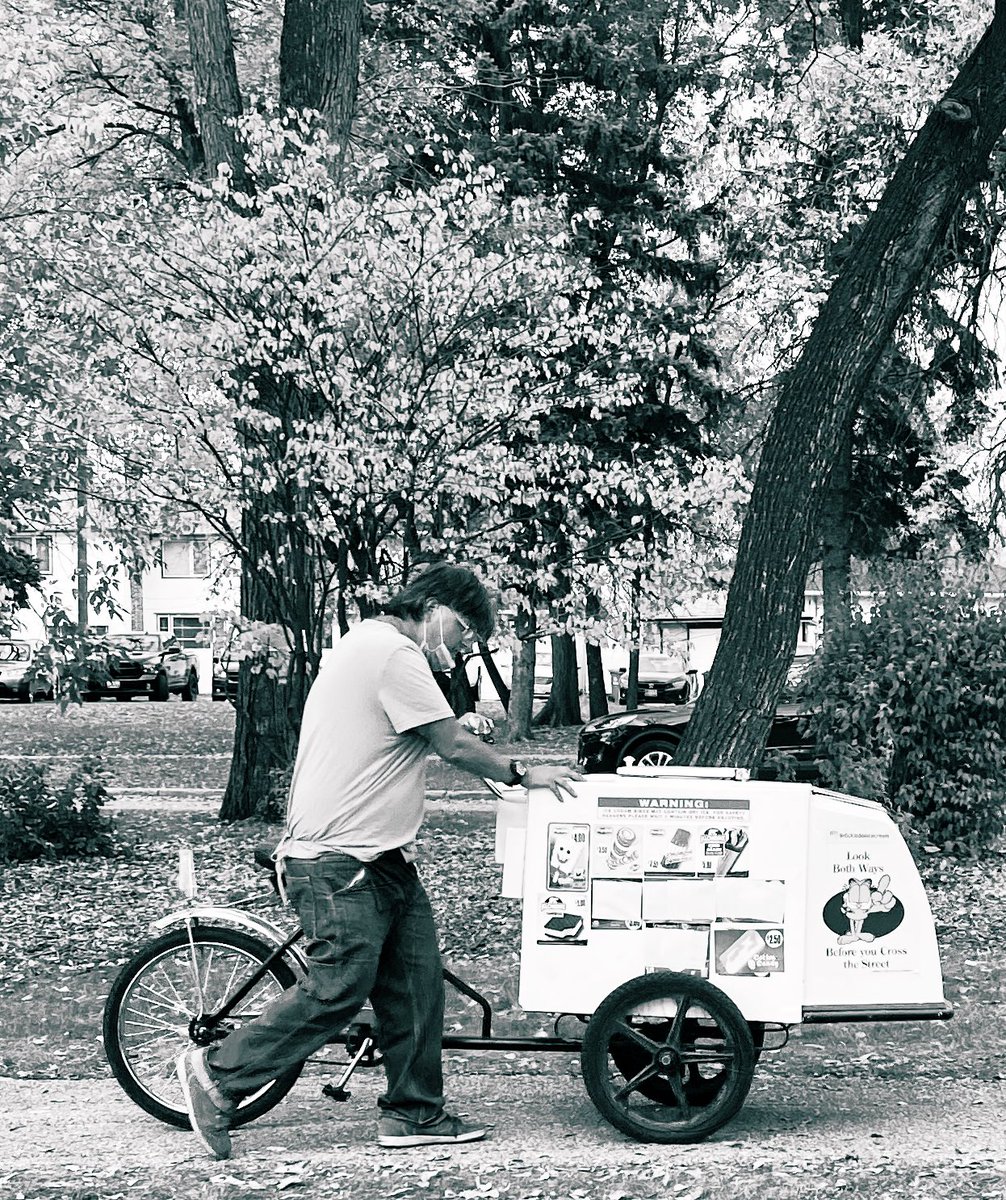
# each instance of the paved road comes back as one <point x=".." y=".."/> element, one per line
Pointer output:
<point x="868" y="1137"/>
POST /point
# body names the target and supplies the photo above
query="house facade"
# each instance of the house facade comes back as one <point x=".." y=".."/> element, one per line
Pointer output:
<point x="189" y="579"/>
<point x="694" y="633"/>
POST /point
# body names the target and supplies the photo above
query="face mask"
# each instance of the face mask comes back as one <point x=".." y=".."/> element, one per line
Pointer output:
<point x="439" y="657"/>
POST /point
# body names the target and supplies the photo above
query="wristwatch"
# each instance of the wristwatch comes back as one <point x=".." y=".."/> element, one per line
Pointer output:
<point x="517" y="772"/>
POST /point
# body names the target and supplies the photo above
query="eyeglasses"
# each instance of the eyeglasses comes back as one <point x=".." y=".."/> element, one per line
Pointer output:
<point x="467" y="631"/>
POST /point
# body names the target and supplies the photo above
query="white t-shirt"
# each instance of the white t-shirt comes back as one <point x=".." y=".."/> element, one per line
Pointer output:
<point x="359" y="782"/>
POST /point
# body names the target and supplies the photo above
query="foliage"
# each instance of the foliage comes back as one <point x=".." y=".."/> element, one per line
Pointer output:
<point x="911" y="706"/>
<point x="43" y="819"/>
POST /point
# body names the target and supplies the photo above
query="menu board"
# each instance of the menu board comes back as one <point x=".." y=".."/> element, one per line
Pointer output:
<point x="648" y="874"/>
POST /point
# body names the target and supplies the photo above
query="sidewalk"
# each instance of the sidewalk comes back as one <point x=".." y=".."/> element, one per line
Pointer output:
<point x="921" y="1138"/>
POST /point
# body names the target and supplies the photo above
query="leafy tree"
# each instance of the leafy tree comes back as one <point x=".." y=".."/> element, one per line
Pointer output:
<point x="892" y="255"/>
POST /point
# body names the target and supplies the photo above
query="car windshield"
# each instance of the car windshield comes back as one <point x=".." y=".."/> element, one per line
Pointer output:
<point x="143" y="643"/>
<point x="658" y="664"/>
<point x="14" y="652"/>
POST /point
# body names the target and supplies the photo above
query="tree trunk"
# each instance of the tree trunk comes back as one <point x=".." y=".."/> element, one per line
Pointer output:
<point x="522" y="677"/>
<point x="282" y="583"/>
<point x="136" y="621"/>
<point x="563" y="707"/>
<point x="632" y="680"/>
<point x="836" y="538"/>
<point x="635" y="637"/>
<point x="218" y="96"/>
<point x="319" y="60"/>
<point x="461" y="695"/>
<point x="264" y="740"/>
<point x="494" y="674"/>
<point x="888" y="262"/>
<point x="597" y="685"/>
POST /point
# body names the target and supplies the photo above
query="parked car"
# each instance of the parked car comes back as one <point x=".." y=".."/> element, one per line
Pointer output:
<point x="225" y="677"/>
<point x="661" y="678"/>
<point x="23" y="676"/>
<point x="649" y="737"/>
<point x="143" y="664"/>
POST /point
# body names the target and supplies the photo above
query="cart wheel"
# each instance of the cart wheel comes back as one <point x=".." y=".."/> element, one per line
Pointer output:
<point x="702" y="1080"/>
<point x="667" y="1058"/>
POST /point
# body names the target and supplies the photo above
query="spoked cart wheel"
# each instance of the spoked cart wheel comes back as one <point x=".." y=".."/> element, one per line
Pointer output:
<point x="668" y="1058"/>
<point x="162" y="1003"/>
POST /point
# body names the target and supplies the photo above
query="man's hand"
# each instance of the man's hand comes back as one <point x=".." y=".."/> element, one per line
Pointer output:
<point x="556" y="779"/>
<point x="481" y="726"/>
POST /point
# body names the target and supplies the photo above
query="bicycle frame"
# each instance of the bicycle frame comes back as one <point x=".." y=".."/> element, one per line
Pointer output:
<point x="286" y="945"/>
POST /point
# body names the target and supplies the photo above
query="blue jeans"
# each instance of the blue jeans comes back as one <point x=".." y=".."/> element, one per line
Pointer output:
<point x="370" y="934"/>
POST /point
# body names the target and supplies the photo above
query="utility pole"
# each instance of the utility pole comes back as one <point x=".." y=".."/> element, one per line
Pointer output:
<point x="83" y="480"/>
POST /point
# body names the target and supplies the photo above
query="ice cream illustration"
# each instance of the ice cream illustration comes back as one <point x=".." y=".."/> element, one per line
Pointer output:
<point x="740" y="956"/>
<point x="681" y="844"/>
<point x="623" y="849"/>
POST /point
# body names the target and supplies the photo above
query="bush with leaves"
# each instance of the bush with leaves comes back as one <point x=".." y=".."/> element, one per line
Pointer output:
<point x="910" y="709"/>
<point x="43" y="819"/>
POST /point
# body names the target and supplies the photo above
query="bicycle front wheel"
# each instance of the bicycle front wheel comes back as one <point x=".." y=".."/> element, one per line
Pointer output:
<point x="161" y="1004"/>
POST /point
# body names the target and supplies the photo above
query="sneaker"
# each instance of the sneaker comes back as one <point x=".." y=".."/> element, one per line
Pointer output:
<point x="209" y="1114"/>
<point x="445" y="1130"/>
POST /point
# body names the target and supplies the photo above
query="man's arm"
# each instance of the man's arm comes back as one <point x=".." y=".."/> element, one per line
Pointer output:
<point x="462" y="749"/>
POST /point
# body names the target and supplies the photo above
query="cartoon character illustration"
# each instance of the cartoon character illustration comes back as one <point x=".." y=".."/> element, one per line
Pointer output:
<point x="566" y="860"/>
<point x="859" y="900"/>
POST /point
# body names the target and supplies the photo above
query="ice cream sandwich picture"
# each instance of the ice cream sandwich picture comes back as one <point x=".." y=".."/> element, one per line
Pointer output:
<point x="558" y="923"/>
<point x="564" y="928"/>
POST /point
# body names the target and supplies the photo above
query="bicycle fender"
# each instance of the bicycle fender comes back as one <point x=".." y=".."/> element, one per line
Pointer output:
<point x="259" y="927"/>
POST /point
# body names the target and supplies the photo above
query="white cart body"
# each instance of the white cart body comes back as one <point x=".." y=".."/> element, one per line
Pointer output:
<point x="800" y="904"/>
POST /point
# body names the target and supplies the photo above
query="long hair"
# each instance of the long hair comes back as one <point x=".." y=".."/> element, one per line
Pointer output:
<point x="456" y="587"/>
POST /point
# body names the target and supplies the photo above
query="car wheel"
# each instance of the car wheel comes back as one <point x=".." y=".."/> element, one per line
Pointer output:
<point x="191" y="689"/>
<point x="160" y="691"/>
<point x="650" y="752"/>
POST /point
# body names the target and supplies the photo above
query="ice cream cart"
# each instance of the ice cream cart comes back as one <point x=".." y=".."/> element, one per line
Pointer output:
<point x="681" y="911"/>
<point x="671" y="918"/>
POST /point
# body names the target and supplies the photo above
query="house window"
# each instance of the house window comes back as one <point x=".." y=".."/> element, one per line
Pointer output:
<point x="192" y="632"/>
<point x="39" y="548"/>
<point x="185" y="558"/>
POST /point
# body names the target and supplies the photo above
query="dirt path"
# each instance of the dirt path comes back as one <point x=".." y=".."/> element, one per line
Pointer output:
<point x="794" y="1138"/>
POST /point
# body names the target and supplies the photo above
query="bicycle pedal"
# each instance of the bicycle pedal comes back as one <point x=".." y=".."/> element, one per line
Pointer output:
<point x="335" y="1093"/>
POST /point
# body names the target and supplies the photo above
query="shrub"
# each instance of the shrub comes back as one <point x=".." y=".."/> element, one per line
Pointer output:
<point x="910" y="709"/>
<point x="42" y="819"/>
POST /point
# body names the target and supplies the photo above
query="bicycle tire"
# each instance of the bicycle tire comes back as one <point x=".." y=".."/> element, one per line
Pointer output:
<point x="157" y="993"/>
